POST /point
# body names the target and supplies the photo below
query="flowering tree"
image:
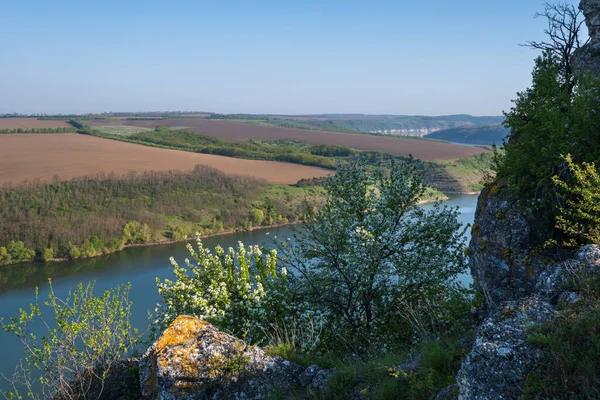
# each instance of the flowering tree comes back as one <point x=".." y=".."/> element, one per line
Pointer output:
<point x="369" y="249"/>
<point x="240" y="291"/>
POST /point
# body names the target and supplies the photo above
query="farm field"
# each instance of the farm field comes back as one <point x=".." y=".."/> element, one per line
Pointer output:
<point x="42" y="157"/>
<point x="31" y="123"/>
<point x="422" y="149"/>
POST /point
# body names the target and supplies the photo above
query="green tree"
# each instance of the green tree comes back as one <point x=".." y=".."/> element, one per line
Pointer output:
<point x="370" y="249"/>
<point x="258" y="216"/>
<point x="48" y="254"/>
<point x="557" y="115"/>
<point x="135" y="233"/>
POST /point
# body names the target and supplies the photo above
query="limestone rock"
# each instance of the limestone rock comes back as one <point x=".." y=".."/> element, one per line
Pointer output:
<point x="591" y="11"/>
<point x="587" y="58"/>
<point x="501" y="263"/>
<point x="502" y="357"/>
<point x="194" y="360"/>
<point x="551" y="282"/>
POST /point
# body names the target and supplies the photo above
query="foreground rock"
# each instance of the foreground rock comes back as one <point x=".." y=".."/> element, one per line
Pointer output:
<point x="194" y="360"/>
<point x="502" y="357"/>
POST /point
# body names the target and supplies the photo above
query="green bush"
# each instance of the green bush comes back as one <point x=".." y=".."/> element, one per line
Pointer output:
<point x="242" y="292"/>
<point x="579" y="204"/>
<point x="87" y="336"/>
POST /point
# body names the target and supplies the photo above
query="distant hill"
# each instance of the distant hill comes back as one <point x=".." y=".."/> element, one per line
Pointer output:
<point x="481" y="135"/>
<point x="407" y="125"/>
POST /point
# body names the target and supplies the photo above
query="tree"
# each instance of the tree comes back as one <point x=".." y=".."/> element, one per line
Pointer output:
<point x="563" y="32"/>
<point x="369" y="248"/>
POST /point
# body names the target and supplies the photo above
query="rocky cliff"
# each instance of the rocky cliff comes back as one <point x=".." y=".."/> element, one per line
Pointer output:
<point x="587" y="59"/>
<point x="521" y="288"/>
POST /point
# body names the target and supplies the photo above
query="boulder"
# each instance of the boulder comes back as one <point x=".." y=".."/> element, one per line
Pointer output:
<point x="502" y="357"/>
<point x="194" y="360"/>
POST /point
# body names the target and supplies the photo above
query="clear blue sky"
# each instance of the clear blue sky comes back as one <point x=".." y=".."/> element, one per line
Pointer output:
<point x="380" y="57"/>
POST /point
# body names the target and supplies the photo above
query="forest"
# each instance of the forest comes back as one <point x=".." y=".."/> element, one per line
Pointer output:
<point x="102" y="214"/>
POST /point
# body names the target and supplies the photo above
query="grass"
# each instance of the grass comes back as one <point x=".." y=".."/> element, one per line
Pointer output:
<point x="470" y="170"/>
<point x="381" y="376"/>
<point x="571" y="349"/>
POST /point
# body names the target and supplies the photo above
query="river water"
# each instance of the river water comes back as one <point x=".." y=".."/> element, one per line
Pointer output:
<point x="140" y="266"/>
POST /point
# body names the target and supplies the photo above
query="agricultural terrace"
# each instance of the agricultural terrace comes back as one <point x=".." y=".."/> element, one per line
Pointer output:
<point x="421" y="149"/>
<point x="44" y="157"/>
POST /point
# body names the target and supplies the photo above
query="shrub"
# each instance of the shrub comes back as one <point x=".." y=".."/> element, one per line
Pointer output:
<point x="579" y="204"/>
<point x="87" y="337"/>
<point x="242" y="292"/>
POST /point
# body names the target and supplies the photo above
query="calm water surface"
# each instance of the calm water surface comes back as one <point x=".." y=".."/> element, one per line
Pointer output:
<point x="139" y="266"/>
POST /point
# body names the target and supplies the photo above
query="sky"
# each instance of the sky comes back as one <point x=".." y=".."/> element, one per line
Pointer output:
<point x="432" y="57"/>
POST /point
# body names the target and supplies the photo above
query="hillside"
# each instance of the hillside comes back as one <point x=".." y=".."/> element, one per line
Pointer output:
<point x="409" y="125"/>
<point x="480" y="135"/>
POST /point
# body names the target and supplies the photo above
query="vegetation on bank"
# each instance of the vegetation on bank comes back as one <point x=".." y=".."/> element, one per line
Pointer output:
<point x="85" y="217"/>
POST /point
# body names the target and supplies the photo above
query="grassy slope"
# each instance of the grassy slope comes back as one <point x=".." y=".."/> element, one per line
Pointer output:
<point x="362" y="123"/>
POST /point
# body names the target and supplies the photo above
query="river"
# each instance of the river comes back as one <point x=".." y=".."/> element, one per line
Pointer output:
<point x="140" y="266"/>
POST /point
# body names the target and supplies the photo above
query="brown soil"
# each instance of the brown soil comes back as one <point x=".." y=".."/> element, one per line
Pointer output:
<point x="31" y="123"/>
<point x="422" y="149"/>
<point x="33" y="157"/>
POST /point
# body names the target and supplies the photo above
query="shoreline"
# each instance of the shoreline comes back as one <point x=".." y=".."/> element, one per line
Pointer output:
<point x="225" y="232"/>
<point x="150" y="244"/>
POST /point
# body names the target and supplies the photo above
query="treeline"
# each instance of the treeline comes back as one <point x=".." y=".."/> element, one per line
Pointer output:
<point x="102" y="214"/>
<point x="39" y="130"/>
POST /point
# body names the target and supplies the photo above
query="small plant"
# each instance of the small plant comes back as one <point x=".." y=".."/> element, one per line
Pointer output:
<point x="86" y="338"/>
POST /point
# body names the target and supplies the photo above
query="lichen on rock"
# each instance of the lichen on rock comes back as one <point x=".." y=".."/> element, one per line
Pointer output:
<point x="194" y="360"/>
<point x="502" y="356"/>
<point x="502" y="262"/>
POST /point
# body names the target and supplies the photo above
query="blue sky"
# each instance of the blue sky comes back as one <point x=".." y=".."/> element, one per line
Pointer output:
<point x="379" y="57"/>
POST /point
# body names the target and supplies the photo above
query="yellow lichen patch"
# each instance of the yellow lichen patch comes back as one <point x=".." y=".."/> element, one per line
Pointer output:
<point x="183" y="329"/>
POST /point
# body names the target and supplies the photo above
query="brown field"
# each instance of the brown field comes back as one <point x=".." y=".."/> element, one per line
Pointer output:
<point x="33" y="157"/>
<point x="422" y="149"/>
<point x="31" y="123"/>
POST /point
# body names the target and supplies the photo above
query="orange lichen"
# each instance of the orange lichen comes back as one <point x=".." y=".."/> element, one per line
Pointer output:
<point x="181" y="331"/>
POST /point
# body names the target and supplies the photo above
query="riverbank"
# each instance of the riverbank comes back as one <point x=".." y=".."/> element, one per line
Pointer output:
<point x="157" y="243"/>
<point x="193" y="238"/>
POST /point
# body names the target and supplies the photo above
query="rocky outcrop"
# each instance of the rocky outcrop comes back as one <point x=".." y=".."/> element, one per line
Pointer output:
<point x="591" y="11"/>
<point x="501" y="357"/>
<point x="501" y="259"/>
<point x="194" y="360"/>
<point x="587" y="59"/>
